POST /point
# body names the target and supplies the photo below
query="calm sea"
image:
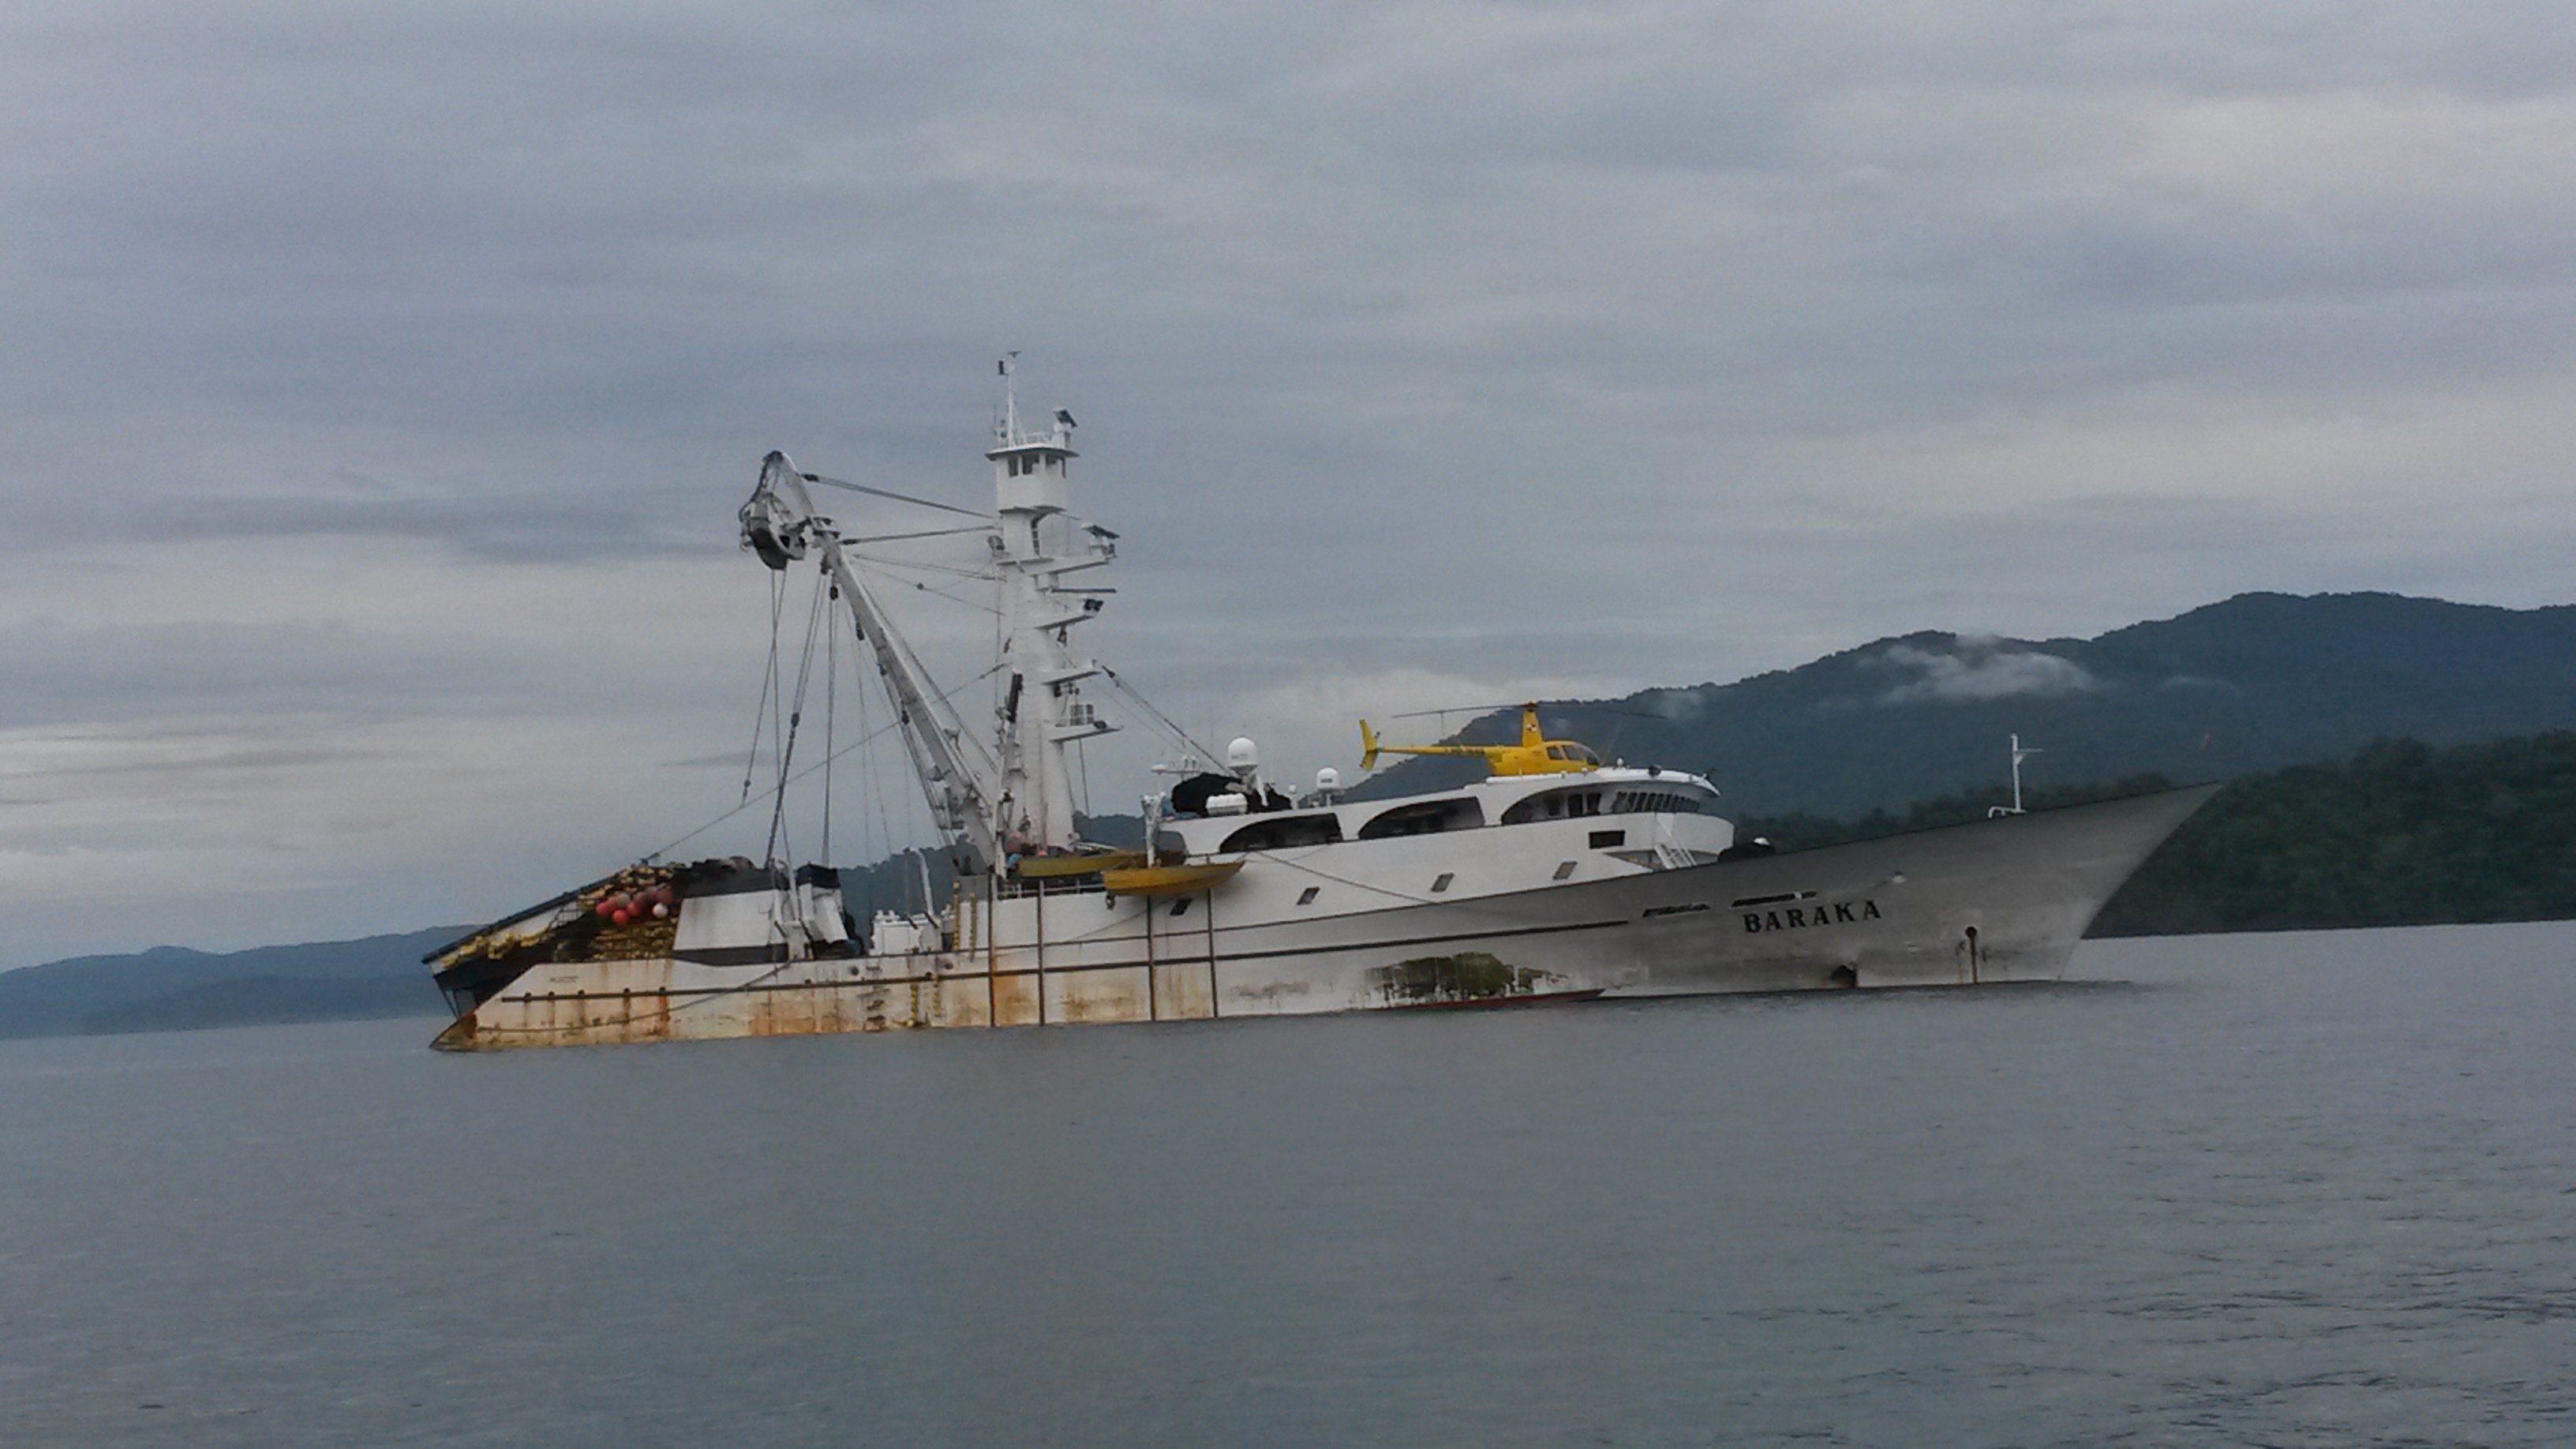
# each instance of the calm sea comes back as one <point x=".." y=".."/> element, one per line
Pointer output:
<point x="2280" y="1190"/>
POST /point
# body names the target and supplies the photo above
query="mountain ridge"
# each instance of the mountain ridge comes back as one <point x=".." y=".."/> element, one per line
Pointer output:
<point x="2255" y="682"/>
<point x="174" y="986"/>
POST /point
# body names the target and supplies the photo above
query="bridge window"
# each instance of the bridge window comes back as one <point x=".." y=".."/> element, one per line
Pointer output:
<point x="1655" y="802"/>
<point x="1571" y="804"/>
<point x="1553" y="805"/>
<point x="1285" y="832"/>
<point x="1425" y="817"/>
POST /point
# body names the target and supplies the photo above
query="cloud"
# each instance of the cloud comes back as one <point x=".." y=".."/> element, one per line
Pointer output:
<point x="1978" y="672"/>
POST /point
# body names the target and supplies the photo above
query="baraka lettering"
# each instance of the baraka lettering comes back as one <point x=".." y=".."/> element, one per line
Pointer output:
<point x="1839" y="913"/>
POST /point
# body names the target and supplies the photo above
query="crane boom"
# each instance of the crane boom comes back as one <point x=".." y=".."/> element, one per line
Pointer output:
<point x="780" y="524"/>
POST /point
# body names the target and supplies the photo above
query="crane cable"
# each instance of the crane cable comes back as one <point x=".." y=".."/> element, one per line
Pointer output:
<point x="768" y="686"/>
<point x="794" y="717"/>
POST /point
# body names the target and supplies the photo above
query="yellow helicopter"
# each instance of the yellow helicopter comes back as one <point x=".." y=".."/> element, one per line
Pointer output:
<point x="1534" y="755"/>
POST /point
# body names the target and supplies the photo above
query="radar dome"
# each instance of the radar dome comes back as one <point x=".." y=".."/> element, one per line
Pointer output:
<point x="1241" y="755"/>
<point x="1328" y="778"/>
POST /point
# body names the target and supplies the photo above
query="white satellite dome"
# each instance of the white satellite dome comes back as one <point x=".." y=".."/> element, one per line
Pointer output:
<point x="1241" y="755"/>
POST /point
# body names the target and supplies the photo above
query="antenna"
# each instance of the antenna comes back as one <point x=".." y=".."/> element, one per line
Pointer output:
<point x="1010" y="366"/>
<point x="2019" y="753"/>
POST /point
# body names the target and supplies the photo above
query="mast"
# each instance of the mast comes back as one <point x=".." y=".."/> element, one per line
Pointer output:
<point x="1038" y="543"/>
<point x="1019" y="798"/>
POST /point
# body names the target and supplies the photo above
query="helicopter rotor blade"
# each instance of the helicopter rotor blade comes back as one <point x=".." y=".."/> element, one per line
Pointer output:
<point x="1570" y="708"/>
<point x="1462" y="709"/>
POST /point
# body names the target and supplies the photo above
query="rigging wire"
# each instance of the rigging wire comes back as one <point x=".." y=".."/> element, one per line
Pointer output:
<point x="1082" y="758"/>
<point x="885" y="824"/>
<point x="784" y="720"/>
<point x="922" y="588"/>
<point x="1178" y="733"/>
<point x="880" y="732"/>
<point x="963" y="571"/>
<point x="831" y="711"/>
<point x="864" y="741"/>
<point x="768" y="684"/>
<point x="924" y="533"/>
<point x="795" y="718"/>
<point x="897" y="497"/>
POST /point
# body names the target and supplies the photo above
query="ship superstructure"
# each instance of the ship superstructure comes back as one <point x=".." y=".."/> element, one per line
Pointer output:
<point x="1555" y="877"/>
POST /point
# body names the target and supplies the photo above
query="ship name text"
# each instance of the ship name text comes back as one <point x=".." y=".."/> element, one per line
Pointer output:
<point x="1798" y="918"/>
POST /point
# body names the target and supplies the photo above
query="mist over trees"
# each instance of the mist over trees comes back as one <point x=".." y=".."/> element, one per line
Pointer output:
<point x="2256" y="682"/>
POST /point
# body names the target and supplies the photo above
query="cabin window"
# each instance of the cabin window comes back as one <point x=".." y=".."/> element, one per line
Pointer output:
<point x="1285" y="832"/>
<point x="1570" y="804"/>
<point x="1608" y="839"/>
<point x="1556" y="752"/>
<point x="1564" y="868"/>
<point x="1442" y="883"/>
<point x="1425" y="817"/>
<point x="1307" y="896"/>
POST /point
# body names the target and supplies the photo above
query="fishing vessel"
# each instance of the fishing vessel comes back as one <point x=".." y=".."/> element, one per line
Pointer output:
<point x="1557" y="877"/>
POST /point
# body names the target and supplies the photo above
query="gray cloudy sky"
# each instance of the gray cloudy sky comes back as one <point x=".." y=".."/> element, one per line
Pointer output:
<point x="379" y="381"/>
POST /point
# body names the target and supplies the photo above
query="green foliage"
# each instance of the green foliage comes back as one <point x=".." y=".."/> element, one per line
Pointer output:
<point x="2398" y="835"/>
<point x="1802" y="831"/>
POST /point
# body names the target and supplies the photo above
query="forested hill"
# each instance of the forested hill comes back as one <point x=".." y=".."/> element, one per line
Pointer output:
<point x="171" y="987"/>
<point x="2399" y="834"/>
<point x="2258" y="682"/>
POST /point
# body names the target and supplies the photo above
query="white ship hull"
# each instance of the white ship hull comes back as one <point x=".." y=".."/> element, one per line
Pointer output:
<point x="1996" y="901"/>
